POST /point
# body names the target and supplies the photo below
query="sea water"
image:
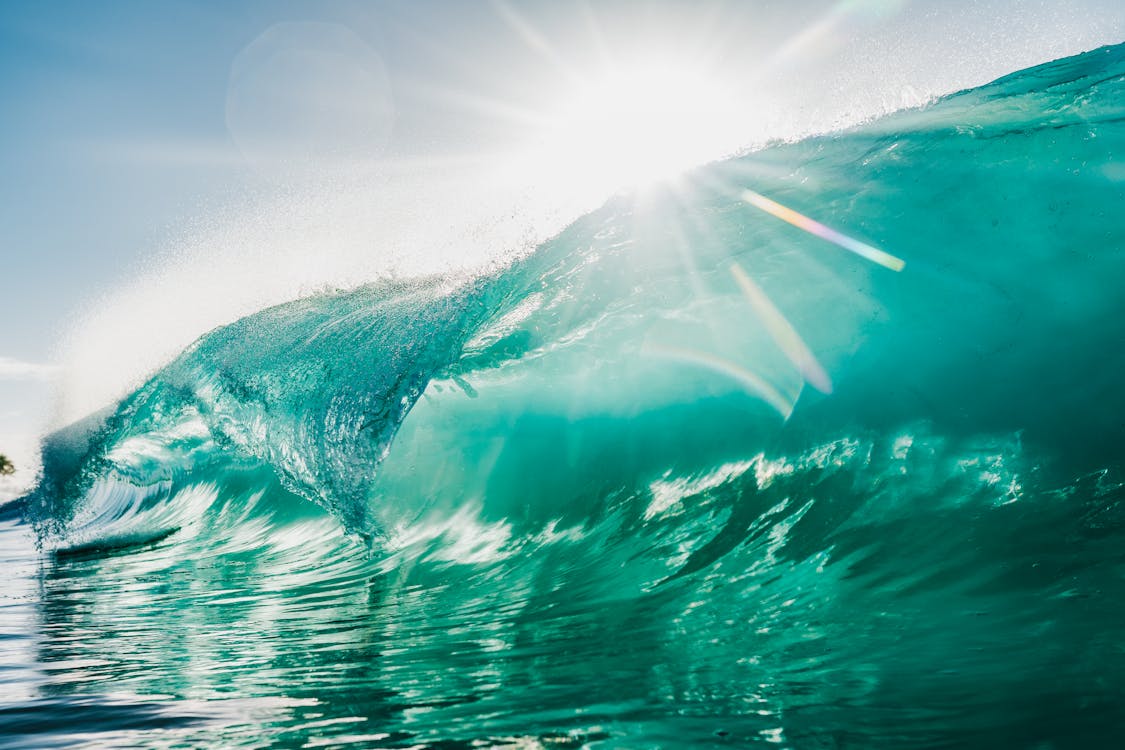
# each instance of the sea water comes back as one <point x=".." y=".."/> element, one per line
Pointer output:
<point x="818" y="448"/>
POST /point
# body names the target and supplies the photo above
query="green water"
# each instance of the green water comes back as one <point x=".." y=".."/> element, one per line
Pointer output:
<point x="602" y="498"/>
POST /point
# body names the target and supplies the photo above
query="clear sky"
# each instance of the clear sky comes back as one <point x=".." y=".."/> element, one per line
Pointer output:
<point x="126" y="125"/>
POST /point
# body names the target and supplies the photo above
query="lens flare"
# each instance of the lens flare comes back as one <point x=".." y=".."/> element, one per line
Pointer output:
<point x="782" y="332"/>
<point x="751" y="382"/>
<point x="799" y="220"/>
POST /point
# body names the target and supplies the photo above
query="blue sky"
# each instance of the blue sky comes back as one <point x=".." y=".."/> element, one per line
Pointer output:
<point x="115" y="137"/>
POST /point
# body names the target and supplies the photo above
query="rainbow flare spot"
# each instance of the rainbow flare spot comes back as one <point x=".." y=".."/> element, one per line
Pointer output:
<point x="812" y="226"/>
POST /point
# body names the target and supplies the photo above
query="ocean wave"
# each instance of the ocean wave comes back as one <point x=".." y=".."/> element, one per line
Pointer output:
<point x="783" y="492"/>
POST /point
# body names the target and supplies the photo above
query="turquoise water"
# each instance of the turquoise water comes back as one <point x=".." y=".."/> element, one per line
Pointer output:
<point x="685" y="476"/>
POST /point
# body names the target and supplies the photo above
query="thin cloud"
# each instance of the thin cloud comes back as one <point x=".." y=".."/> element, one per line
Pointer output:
<point x="14" y="369"/>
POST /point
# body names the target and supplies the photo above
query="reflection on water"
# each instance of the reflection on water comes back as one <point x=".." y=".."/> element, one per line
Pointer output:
<point x="868" y="593"/>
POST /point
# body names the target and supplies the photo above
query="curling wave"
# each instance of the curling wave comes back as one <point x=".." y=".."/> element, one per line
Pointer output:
<point x="819" y="446"/>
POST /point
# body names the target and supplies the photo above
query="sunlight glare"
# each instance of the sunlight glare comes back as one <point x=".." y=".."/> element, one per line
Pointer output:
<point x="639" y="124"/>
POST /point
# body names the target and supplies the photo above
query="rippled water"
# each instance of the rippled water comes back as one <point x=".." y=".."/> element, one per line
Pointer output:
<point x="685" y="476"/>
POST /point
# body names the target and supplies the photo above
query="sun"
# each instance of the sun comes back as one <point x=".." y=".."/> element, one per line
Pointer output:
<point x="636" y="124"/>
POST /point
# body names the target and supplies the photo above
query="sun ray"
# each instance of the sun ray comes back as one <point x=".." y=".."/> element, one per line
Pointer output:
<point x="597" y="35"/>
<point x="533" y="38"/>
<point x="497" y="109"/>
